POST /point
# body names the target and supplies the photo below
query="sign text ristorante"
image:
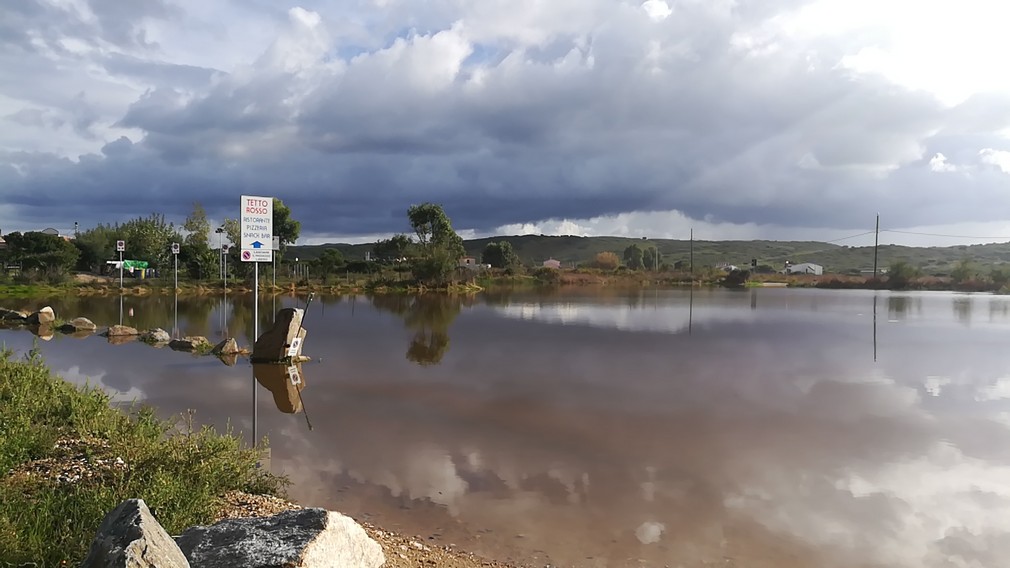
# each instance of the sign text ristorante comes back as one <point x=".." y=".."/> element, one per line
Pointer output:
<point x="257" y="228"/>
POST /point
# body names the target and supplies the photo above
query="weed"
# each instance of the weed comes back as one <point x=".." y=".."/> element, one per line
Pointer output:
<point x="49" y="511"/>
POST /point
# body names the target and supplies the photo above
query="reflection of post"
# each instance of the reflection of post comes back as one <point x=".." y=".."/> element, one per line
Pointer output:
<point x="753" y="299"/>
<point x="175" y="328"/>
<point x="874" y="327"/>
<point x="285" y="383"/>
<point x="690" y="309"/>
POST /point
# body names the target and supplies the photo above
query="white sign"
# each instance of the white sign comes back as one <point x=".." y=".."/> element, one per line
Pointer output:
<point x="175" y="248"/>
<point x="276" y="244"/>
<point x="120" y="246"/>
<point x="294" y="376"/>
<point x="224" y="249"/>
<point x="295" y="348"/>
<point x="257" y="228"/>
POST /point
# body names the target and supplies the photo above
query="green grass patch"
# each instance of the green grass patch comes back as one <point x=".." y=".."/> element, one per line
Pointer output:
<point x="52" y="431"/>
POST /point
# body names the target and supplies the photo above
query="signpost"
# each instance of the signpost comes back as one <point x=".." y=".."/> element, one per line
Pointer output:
<point x="257" y="224"/>
<point x="120" y="246"/>
<point x="175" y="327"/>
<point x="224" y="271"/>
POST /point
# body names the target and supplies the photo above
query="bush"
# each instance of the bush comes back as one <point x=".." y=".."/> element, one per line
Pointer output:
<point x="181" y="472"/>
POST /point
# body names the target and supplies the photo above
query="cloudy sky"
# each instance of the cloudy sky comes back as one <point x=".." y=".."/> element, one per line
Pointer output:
<point x="739" y="118"/>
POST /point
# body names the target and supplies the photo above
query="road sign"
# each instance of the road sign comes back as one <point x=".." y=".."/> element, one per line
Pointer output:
<point x="295" y="348"/>
<point x="175" y="248"/>
<point x="224" y="249"/>
<point x="257" y="228"/>
<point x="276" y="244"/>
<point x="120" y="246"/>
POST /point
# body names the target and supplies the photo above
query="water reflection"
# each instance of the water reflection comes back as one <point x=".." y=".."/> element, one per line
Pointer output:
<point x="767" y="438"/>
<point x="285" y="383"/>
<point x="962" y="309"/>
<point x="429" y="317"/>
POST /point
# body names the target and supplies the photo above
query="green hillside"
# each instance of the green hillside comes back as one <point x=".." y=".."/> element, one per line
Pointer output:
<point x="570" y="250"/>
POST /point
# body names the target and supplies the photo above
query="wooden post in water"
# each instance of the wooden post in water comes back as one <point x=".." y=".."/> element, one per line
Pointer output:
<point x="876" y="244"/>
<point x="692" y="257"/>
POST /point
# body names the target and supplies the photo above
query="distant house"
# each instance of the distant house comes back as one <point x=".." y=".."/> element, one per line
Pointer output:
<point x="471" y="263"/>
<point x="552" y="263"/>
<point x="3" y="243"/>
<point x="805" y="268"/>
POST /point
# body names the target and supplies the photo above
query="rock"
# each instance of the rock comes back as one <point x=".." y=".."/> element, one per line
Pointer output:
<point x="42" y="317"/>
<point x="285" y="382"/>
<point x="44" y="331"/>
<point x="156" y="335"/>
<point x="131" y="537"/>
<point x="305" y="538"/>
<point x="120" y="331"/>
<point x="189" y="343"/>
<point x="272" y="346"/>
<point x="78" y="324"/>
<point x="227" y="347"/>
<point x="122" y="339"/>
<point x="12" y="316"/>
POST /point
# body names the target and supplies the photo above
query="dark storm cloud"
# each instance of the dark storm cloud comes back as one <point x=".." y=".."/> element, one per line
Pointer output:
<point x="603" y="112"/>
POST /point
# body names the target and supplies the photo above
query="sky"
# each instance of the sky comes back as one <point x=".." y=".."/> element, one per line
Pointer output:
<point x="739" y="119"/>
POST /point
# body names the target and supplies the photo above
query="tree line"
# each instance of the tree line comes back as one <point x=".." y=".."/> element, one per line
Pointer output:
<point x="35" y="256"/>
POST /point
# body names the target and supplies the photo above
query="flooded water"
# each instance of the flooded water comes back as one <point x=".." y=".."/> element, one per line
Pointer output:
<point x="757" y="428"/>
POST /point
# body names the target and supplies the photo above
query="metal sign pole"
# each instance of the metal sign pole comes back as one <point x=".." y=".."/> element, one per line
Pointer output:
<point x="256" y="334"/>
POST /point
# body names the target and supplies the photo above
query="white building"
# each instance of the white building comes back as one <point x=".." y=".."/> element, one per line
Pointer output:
<point x="805" y="268"/>
<point x="552" y="263"/>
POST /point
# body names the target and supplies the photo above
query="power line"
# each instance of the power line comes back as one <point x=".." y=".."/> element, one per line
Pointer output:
<point x="805" y="253"/>
<point x="941" y="235"/>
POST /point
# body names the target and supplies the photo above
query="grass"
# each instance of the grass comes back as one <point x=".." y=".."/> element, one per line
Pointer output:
<point x="181" y="472"/>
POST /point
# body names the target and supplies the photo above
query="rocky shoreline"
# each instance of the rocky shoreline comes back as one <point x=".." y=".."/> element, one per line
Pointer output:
<point x="400" y="551"/>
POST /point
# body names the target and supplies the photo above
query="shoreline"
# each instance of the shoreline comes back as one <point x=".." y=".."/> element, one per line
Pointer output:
<point x="72" y="469"/>
<point x="92" y="286"/>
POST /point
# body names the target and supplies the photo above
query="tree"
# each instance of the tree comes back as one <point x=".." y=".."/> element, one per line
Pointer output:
<point x="651" y="258"/>
<point x="329" y="261"/>
<point x="393" y="248"/>
<point x="96" y="246"/>
<point x="606" y="261"/>
<point x="900" y="275"/>
<point x="999" y="277"/>
<point x="37" y="252"/>
<point x="963" y="272"/>
<point x="149" y="238"/>
<point x="440" y="246"/>
<point x="195" y="253"/>
<point x="197" y="227"/>
<point x="500" y="255"/>
<point x="285" y="228"/>
<point x="633" y="257"/>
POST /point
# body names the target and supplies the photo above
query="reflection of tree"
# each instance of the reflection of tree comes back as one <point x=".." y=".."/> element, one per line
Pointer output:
<point x="897" y="305"/>
<point x="962" y="310"/>
<point x="428" y="347"/>
<point x="429" y="316"/>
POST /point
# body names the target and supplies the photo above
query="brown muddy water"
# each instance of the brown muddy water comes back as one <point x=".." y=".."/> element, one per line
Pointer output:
<point x="758" y="428"/>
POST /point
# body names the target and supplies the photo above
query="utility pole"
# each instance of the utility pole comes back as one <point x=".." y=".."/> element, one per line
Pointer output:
<point x="876" y="245"/>
<point x="692" y="256"/>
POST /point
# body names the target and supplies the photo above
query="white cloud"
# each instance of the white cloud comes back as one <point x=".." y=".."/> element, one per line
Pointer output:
<point x="939" y="163"/>
<point x="658" y="10"/>
<point x="998" y="158"/>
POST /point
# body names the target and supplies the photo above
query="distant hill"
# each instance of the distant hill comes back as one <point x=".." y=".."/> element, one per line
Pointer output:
<point x="570" y="250"/>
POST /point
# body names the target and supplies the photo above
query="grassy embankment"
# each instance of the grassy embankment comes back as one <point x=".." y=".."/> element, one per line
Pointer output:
<point x="67" y="458"/>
